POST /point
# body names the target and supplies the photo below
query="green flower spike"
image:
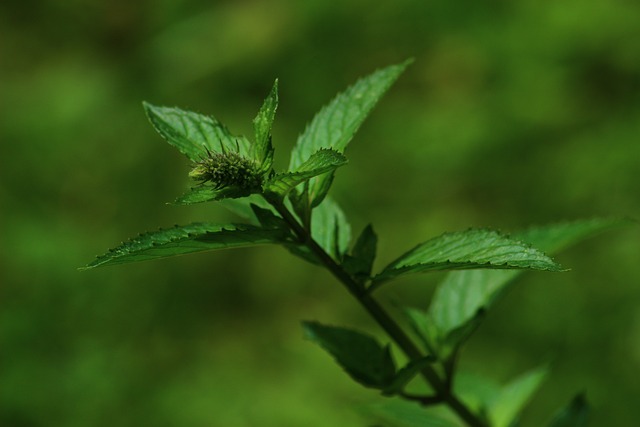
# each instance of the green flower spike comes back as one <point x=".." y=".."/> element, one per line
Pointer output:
<point x="228" y="169"/>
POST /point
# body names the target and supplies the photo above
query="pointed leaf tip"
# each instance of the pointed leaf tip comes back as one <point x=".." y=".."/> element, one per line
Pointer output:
<point x="193" y="133"/>
<point x="470" y="249"/>
<point x="262" y="125"/>
<point x="186" y="239"/>
<point x="337" y="122"/>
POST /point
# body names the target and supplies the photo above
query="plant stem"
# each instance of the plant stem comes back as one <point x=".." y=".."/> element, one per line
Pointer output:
<point x="442" y="389"/>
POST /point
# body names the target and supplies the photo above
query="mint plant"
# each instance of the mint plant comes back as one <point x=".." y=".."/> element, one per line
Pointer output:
<point x="293" y="209"/>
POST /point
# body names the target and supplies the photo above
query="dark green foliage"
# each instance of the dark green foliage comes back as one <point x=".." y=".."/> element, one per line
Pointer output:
<point x="359" y="354"/>
<point x="574" y="415"/>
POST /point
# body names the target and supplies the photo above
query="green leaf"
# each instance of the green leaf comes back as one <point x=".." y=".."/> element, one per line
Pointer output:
<point x="400" y="413"/>
<point x="360" y="355"/>
<point x="207" y="193"/>
<point x="512" y="398"/>
<point x="329" y="227"/>
<point x="576" y="414"/>
<point x="193" y="134"/>
<point x="262" y="125"/>
<point x="463" y="294"/>
<point x="360" y="263"/>
<point x="322" y="161"/>
<point x="186" y="239"/>
<point x="406" y="374"/>
<point x="334" y="126"/>
<point x="242" y="207"/>
<point x="424" y="327"/>
<point x="470" y="249"/>
<point x="268" y="219"/>
<point x="555" y="237"/>
<point x="476" y="391"/>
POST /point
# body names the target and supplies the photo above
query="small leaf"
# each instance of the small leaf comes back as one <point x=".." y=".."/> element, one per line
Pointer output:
<point x="406" y="374"/>
<point x="576" y="414"/>
<point x="512" y="398"/>
<point x="268" y="219"/>
<point x="242" y="206"/>
<point x="193" y="134"/>
<point x="185" y="239"/>
<point x="262" y="125"/>
<point x="360" y="355"/>
<point x="329" y="227"/>
<point x="334" y="126"/>
<point x="360" y="263"/>
<point x="470" y="249"/>
<point x="320" y="162"/>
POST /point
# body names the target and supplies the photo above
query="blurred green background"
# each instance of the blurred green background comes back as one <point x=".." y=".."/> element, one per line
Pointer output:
<point x="514" y="113"/>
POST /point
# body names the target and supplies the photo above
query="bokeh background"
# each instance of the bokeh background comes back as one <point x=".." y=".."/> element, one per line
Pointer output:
<point x="514" y="113"/>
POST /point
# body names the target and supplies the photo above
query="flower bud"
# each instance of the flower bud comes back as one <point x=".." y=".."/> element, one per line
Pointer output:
<point x="226" y="170"/>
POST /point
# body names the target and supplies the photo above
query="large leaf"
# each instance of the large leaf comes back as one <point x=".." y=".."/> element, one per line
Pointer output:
<point x="263" y="150"/>
<point x="193" y="134"/>
<point x="463" y="294"/>
<point x="576" y="414"/>
<point x="360" y="355"/>
<point x="509" y="402"/>
<point x="470" y="249"/>
<point x="334" y="126"/>
<point x="186" y="239"/>
<point x="322" y="161"/>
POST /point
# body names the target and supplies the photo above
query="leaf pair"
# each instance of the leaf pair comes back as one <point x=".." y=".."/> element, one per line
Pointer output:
<point x="463" y="296"/>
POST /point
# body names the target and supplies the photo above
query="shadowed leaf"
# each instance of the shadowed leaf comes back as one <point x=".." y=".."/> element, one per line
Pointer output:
<point x="360" y="355"/>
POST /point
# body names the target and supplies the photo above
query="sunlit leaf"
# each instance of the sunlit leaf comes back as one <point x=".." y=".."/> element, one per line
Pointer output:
<point x="186" y="239"/>
<point x="193" y="134"/>
<point x="470" y="249"/>
<point x="463" y="294"/>
<point x="263" y="149"/>
<point x="334" y="126"/>
<point x="322" y="161"/>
